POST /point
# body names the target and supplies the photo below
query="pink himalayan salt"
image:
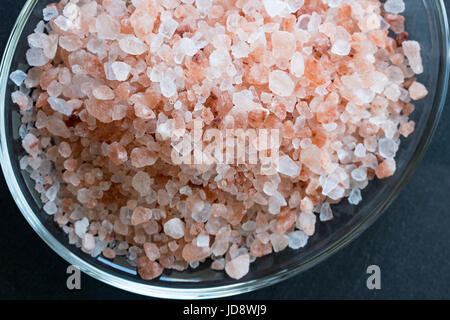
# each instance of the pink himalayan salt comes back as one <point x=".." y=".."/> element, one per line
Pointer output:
<point x="149" y="269"/>
<point x="141" y="215"/>
<point x="417" y="91"/>
<point x="238" y="267"/>
<point x="386" y="169"/>
<point x="152" y="251"/>
<point x="143" y="69"/>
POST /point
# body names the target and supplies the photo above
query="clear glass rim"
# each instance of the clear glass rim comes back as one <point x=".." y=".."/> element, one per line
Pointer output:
<point x="215" y="291"/>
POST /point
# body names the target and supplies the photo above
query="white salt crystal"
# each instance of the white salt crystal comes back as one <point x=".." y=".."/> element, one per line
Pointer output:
<point x="168" y="28"/>
<point x="297" y="67"/>
<point x="60" y="105"/>
<point x="50" y="208"/>
<point x="220" y="58"/>
<point x="36" y="57"/>
<point x="52" y="192"/>
<point x="325" y="212"/>
<point x="274" y="7"/>
<point x="203" y="241"/>
<point x="281" y="83"/>
<point x="63" y="23"/>
<point x="238" y="267"/>
<point x="187" y="47"/>
<point x="203" y="4"/>
<point x="394" y="6"/>
<point x="360" y="150"/>
<point x="121" y="70"/>
<point x="341" y="48"/>
<point x="355" y="197"/>
<point x="297" y="239"/>
<point x="387" y="147"/>
<point x="50" y="13"/>
<point x="240" y="50"/>
<point x="359" y="174"/>
<point x="18" y="77"/>
<point x="288" y="167"/>
<point x="81" y="227"/>
<point x="174" y="228"/>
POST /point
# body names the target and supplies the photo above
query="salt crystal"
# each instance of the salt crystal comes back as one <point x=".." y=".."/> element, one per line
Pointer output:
<point x="288" y="167"/>
<point x="50" y="13"/>
<point x="203" y="241"/>
<point x="297" y="239"/>
<point x="417" y="91"/>
<point x="81" y="227"/>
<point x="50" y="208"/>
<point x="281" y="83"/>
<point x="325" y="212"/>
<point x="355" y="197"/>
<point x="297" y="66"/>
<point x="18" y="77"/>
<point x="121" y="70"/>
<point x="238" y="267"/>
<point x="274" y="7"/>
<point x="36" y="57"/>
<point x="141" y="183"/>
<point x="60" y="105"/>
<point x="387" y="147"/>
<point x="359" y="174"/>
<point x="168" y="27"/>
<point x="132" y="45"/>
<point x="174" y="228"/>
<point x="240" y="50"/>
<point x="411" y="49"/>
<point x="394" y="6"/>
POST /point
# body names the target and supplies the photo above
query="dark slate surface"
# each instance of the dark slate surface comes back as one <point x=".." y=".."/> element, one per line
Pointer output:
<point x="410" y="242"/>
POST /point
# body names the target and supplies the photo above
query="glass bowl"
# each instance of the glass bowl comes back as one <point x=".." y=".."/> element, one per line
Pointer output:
<point x="426" y="22"/>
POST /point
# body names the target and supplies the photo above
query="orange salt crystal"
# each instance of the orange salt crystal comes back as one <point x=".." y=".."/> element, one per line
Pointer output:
<point x="259" y="249"/>
<point x="149" y="269"/>
<point x="386" y="169"/>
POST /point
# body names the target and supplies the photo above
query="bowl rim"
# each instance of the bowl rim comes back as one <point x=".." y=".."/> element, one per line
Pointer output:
<point x="216" y="291"/>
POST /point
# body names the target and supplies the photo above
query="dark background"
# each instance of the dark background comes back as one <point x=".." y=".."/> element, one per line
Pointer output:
<point x="410" y="242"/>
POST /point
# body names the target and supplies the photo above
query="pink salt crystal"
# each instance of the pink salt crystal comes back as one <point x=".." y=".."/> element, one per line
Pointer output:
<point x="64" y="149"/>
<point x="407" y="128"/>
<point x="279" y="241"/>
<point x="417" y="91"/>
<point x="101" y="110"/>
<point x="306" y="222"/>
<point x="149" y="269"/>
<point x="238" y="267"/>
<point x="103" y="93"/>
<point x="143" y="18"/>
<point x="297" y="67"/>
<point x="132" y="45"/>
<point x="283" y="45"/>
<point x="117" y="153"/>
<point x="120" y="228"/>
<point x="109" y="253"/>
<point x="411" y="49"/>
<point x="218" y="264"/>
<point x="142" y="157"/>
<point x="57" y="127"/>
<point x="310" y="157"/>
<point x="141" y="183"/>
<point x="192" y="253"/>
<point x="386" y="169"/>
<point x="280" y="83"/>
<point x="151" y="251"/>
<point x="88" y="242"/>
<point x="22" y="100"/>
<point x="107" y="27"/>
<point x="31" y="144"/>
<point x="140" y="215"/>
